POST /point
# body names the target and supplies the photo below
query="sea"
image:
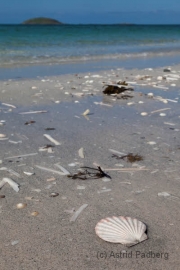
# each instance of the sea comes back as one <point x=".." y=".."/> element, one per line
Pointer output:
<point x="82" y="47"/>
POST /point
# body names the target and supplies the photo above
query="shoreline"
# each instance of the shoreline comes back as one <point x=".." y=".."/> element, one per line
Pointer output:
<point x="50" y="240"/>
<point x="35" y="71"/>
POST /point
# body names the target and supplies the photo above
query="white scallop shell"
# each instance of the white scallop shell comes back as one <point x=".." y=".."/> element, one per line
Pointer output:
<point x="124" y="230"/>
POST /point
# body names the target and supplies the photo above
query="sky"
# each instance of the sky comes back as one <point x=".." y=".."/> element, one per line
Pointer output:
<point x="92" y="11"/>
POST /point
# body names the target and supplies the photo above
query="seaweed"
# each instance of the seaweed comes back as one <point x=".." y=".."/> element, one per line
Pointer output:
<point x="49" y="128"/>
<point x="89" y="173"/>
<point x="122" y="83"/>
<point x="124" y="97"/>
<point x="30" y="122"/>
<point x="116" y="88"/>
<point x="129" y="157"/>
<point x="47" y="146"/>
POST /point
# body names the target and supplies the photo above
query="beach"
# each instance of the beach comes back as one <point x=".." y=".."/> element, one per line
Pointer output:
<point x="42" y="234"/>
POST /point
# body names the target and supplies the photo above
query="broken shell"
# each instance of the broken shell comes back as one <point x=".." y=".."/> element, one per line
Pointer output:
<point x="54" y="194"/>
<point x="13" y="243"/>
<point x="144" y="113"/>
<point x="164" y="194"/>
<point x="29" y="173"/>
<point x="162" y="114"/>
<point x="34" y="213"/>
<point x="21" y="205"/>
<point x="151" y="143"/>
<point x="86" y="112"/>
<point x="125" y="230"/>
<point x="81" y="152"/>
<point x="150" y="94"/>
<point x="2" y="135"/>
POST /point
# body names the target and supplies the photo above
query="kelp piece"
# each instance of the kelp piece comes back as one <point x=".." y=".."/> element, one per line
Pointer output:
<point x="49" y="128"/>
<point x="30" y="122"/>
<point x="116" y="89"/>
<point x="89" y="173"/>
<point x="129" y="157"/>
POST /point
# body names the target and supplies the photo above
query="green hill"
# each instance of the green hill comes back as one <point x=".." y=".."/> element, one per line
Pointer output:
<point x="41" y="20"/>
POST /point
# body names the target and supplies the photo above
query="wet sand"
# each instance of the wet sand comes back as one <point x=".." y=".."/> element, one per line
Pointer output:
<point x="49" y="241"/>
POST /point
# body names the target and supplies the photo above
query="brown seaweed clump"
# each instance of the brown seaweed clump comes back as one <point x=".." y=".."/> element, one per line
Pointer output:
<point x="116" y="88"/>
<point x="129" y="157"/>
<point x="89" y="173"/>
<point x="30" y="122"/>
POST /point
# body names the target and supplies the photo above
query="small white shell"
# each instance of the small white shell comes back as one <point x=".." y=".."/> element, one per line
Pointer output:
<point x="124" y="230"/>
<point x="29" y="173"/>
<point x="34" y="213"/>
<point x="144" y="113"/>
<point x="21" y="205"/>
<point x="162" y="114"/>
<point x="151" y="143"/>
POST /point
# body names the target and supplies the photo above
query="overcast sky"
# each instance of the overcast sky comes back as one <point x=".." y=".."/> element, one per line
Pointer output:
<point x="92" y="11"/>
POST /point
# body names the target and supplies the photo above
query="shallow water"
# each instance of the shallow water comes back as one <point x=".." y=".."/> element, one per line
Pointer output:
<point x="35" y="71"/>
<point x="32" y="44"/>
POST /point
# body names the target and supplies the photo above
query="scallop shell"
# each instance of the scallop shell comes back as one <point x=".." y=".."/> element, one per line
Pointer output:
<point x="124" y="230"/>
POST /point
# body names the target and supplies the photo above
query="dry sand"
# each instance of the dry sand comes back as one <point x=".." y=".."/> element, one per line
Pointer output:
<point x="49" y="241"/>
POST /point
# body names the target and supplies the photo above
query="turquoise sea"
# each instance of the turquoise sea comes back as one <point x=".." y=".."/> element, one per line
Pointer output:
<point x="32" y="45"/>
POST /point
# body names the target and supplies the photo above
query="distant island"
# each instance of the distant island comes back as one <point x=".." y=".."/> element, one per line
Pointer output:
<point x="42" y="20"/>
